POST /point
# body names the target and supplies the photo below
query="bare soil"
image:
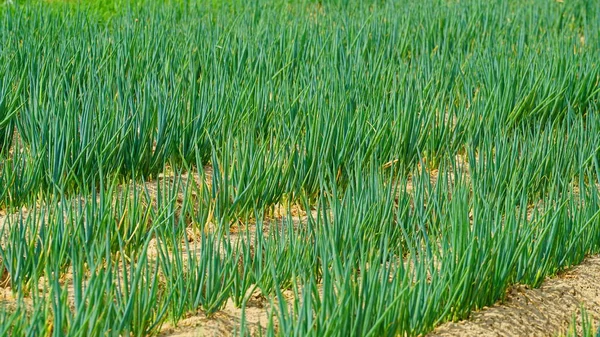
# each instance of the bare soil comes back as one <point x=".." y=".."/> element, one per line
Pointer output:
<point x="546" y="311"/>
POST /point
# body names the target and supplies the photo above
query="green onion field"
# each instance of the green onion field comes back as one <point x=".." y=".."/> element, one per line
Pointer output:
<point x="346" y="167"/>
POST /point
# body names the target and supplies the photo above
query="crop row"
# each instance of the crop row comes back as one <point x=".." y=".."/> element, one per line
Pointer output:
<point x="275" y="97"/>
<point x="439" y="152"/>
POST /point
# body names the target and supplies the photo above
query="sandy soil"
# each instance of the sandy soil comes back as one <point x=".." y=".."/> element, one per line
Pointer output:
<point x="546" y="311"/>
<point x="227" y="320"/>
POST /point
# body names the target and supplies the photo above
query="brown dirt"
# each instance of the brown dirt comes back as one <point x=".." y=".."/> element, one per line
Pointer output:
<point x="227" y="320"/>
<point x="546" y="311"/>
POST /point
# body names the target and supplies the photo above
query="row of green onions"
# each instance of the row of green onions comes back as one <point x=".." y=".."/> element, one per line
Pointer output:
<point x="441" y="150"/>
